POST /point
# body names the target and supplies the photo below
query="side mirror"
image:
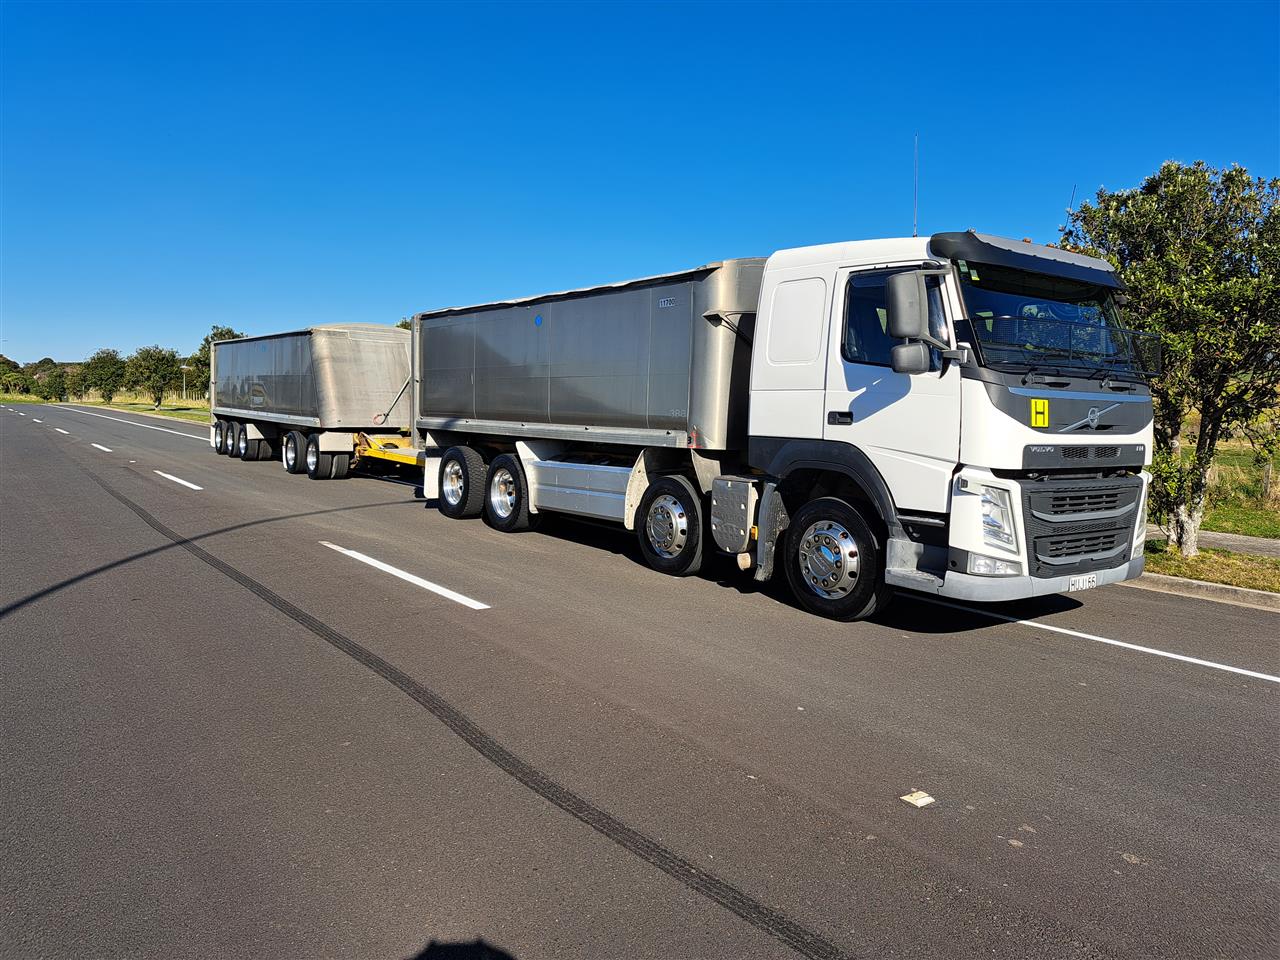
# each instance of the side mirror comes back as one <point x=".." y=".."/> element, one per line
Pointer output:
<point x="910" y="357"/>
<point x="907" y="306"/>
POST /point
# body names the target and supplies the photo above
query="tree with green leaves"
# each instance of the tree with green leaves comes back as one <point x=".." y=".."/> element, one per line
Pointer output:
<point x="105" y="372"/>
<point x="200" y="360"/>
<point x="404" y="324"/>
<point x="76" y="383"/>
<point x="14" y="381"/>
<point x="153" y="370"/>
<point x="53" y="386"/>
<point x="1199" y="249"/>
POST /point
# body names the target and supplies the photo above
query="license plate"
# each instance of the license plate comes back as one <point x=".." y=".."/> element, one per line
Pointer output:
<point x="1086" y="581"/>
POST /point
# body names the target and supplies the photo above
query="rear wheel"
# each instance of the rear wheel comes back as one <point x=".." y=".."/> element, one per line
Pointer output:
<point x="834" y="564"/>
<point x="506" y="502"/>
<point x="231" y="447"/>
<point x="293" y="452"/>
<point x="341" y="466"/>
<point x="669" y="526"/>
<point x="219" y="435"/>
<point x="462" y="484"/>
<point x="319" y="464"/>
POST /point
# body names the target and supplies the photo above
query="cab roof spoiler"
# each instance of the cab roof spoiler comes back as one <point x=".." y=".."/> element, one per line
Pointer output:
<point x="1034" y="257"/>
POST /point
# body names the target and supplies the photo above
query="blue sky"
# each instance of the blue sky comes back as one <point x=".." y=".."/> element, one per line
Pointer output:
<point x="269" y="166"/>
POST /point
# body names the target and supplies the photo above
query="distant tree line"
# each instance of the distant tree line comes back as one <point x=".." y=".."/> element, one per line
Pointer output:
<point x="151" y="371"/>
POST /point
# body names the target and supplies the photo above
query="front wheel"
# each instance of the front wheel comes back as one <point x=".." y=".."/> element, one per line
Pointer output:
<point x="834" y="564"/>
<point x="669" y="526"/>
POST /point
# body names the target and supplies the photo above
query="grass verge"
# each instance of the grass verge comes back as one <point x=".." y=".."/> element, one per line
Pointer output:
<point x="1249" y="519"/>
<point x="178" y="411"/>
<point x="20" y="398"/>
<point x="1216" y="566"/>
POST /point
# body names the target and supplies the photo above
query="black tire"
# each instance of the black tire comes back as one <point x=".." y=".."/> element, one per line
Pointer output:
<point x="319" y="463"/>
<point x="341" y="466"/>
<point x="829" y="542"/>
<point x="267" y="449"/>
<point x="463" y="496"/>
<point x="219" y="435"/>
<point x="669" y="526"/>
<point x="232" y="447"/>
<point x="505" y="488"/>
<point x="293" y="452"/>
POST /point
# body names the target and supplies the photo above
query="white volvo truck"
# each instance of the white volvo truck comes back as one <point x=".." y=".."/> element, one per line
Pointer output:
<point x="961" y="415"/>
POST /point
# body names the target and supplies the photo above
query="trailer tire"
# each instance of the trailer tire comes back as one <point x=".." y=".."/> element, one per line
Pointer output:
<point x="341" y="466"/>
<point x="669" y="526"/>
<point x="319" y="463"/>
<point x="506" y="496"/>
<point x="835" y="566"/>
<point x="246" y="447"/>
<point x="293" y="452"/>
<point x="461" y="484"/>
<point x="232" y="439"/>
<point x="219" y="435"/>
<point x="266" y="449"/>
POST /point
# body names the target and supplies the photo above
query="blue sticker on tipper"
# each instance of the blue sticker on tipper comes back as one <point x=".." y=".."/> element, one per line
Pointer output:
<point x="537" y="321"/>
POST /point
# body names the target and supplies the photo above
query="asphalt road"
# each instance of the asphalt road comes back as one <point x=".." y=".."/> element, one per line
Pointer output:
<point x="223" y="736"/>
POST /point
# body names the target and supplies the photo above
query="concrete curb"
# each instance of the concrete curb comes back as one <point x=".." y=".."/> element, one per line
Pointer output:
<point x="1202" y="589"/>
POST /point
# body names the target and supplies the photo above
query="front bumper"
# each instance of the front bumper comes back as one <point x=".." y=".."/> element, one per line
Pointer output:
<point x="965" y="586"/>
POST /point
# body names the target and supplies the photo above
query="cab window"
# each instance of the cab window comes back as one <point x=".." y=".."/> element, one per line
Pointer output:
<point x="866" y="337"/>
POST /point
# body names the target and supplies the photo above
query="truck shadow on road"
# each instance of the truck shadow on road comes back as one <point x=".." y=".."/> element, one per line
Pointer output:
<point x="61" y="585"/>
<point x="909" y="611"/>
<point x="458" y="950"/>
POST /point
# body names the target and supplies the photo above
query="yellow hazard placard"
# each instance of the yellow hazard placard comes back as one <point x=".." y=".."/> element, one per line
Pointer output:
<point x="1039" y="413"/>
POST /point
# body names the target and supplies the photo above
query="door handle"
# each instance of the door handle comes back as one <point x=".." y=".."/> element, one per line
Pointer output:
<point x="839" y="418"/>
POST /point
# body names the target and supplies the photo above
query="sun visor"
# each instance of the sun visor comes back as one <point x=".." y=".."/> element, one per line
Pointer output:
<point x="1034" y="257"/>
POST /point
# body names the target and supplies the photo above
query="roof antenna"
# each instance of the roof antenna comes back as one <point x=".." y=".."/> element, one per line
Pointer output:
<point x="915" y="193"/>
<point x="1072" y="204"/>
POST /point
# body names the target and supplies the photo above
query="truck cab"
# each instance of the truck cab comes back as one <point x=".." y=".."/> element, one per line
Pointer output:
<point x="962" y="414"/>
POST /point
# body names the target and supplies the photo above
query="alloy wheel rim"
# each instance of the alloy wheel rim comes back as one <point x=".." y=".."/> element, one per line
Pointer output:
<point x="829" y="559"/>
<point x="453" y="483"/>
<point x="667" y="526"/>
<point x="502" y="493"/>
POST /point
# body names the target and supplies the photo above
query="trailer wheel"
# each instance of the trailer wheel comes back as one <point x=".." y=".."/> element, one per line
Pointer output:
<point x="461" y="483"/>
<point x="266" y="449"/>
<point x="669" y="526"/>
<point x="293" y="452"/>
<point x="319" y="464"/>
<point x="341" y="466"/>
<point x="219" y="435"/>
<point x="834" y="564"/>
<point x="246" y="446"/>
<point x="231" y="447"/>
<point x="506" y="501"/>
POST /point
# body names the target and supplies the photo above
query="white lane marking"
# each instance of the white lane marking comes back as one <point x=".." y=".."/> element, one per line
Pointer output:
<point x="21" y="414"/>
<point x="1114" y="643"/>
<point x="34" y="420"/>
<point x="134" y="423"/>
<point x="60" y="430"/>
<point x="170" y="476"/>
<point x="101" y="447"/>
<point x="408" y="577"/>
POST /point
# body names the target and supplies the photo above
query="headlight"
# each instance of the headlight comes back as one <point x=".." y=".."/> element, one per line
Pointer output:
<point x="985" y="566"/>
<point x="1140" y="534"/>
<point x="997" y="518"/>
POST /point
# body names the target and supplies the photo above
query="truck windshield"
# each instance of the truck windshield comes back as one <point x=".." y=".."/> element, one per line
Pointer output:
<point x="1026" y="321"/>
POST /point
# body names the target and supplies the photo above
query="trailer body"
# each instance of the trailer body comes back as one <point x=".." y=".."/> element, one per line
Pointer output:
<point x="335" y="377"/>
<point x="318" y="398"/>
<point x="660" y="361"/>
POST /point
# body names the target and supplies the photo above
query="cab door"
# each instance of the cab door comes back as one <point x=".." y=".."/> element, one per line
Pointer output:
<point x="908" y="425"/>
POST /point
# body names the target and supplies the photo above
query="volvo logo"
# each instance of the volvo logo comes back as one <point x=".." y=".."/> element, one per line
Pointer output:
<point x="1091" y="420"/>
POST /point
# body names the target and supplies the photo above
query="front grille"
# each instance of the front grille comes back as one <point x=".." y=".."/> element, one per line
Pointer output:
<point x="1076" y="526"/>
<point x="1075" y="453"/>
<point x="1106" y="453"/>
<point x="1078" y="544"/>
<point x="1080" y="501"/>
